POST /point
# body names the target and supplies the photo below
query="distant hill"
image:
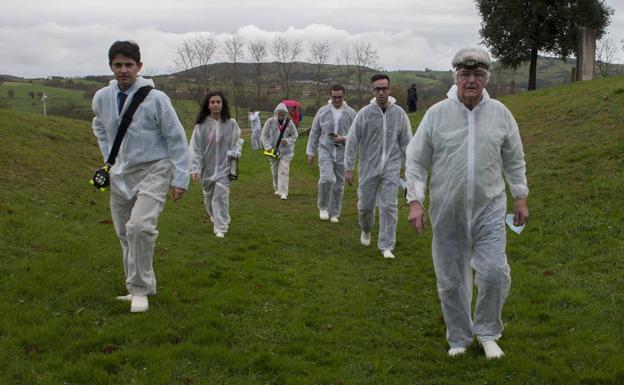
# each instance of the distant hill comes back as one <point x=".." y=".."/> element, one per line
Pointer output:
<point x="432" y="84"/>
<point x="9" y="78"/>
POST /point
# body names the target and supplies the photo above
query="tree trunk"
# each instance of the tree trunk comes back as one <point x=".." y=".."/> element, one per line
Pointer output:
<point x="533" y="69"/>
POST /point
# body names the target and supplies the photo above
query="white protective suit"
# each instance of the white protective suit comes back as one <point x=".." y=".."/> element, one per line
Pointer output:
<point x="256" y="130"/>
<point x="381" y="140"/>
<point x="280" y="167"/>
<point x="330" y="120"/>
<point x="468" y="152"/>
<point x="152" y="156"/>
<point x="213" y="145"/>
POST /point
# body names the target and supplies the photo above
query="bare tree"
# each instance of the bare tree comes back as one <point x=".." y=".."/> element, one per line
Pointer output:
<point x="364" y="58"/>
<point x="234" y="53"/>
<point x="345" y="56"/>
<point x="258" y="52"/>
<point x="605" y="54"/>
<point x="285" y="52"/>
<point x="319" y="53"/>
<point x="192" y="59"/>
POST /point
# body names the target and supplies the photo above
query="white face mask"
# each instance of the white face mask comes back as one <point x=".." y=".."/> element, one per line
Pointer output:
<point x="516" y="229"/>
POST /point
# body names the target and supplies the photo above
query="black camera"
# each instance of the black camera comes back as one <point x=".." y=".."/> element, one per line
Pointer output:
<point x="101" y="179"/>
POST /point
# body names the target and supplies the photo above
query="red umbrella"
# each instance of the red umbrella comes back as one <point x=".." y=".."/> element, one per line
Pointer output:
<point x="291" y="103"/>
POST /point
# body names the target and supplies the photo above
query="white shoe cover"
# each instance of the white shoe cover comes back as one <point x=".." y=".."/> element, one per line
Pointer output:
<point x="324" y="215"/>
<point x="219" y="234"/>
<point x="388" y="254"/>
<point x="125" y="298"/>
<point x="365" y="238"/>
<point x="334" y="220"/>
<point x="139" y="304"/>
<point x="454" y="352"/>
<point x="492" y="350"/>
<point x="283" y="197"/>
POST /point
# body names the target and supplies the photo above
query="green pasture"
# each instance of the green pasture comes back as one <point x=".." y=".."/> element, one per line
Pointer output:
<point x="288" y="299"/>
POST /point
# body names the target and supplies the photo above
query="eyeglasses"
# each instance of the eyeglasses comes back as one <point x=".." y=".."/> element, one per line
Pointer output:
<point x="465" y="75"/>
<point x="381" y="89"/>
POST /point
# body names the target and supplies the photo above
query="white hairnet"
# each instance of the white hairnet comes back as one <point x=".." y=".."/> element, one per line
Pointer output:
<point x="472" y="57"/>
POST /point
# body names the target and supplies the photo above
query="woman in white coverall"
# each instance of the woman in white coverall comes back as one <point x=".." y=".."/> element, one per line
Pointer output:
<point x="214" y="144"/>
<point x="468" y="141"/>
<point x="280" y="166"/>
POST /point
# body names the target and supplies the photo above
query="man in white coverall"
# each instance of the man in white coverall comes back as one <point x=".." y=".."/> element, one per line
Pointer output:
<point x="469" y="142"/>
<point x="256" y="129"/>
<point x="328" y="135"/>
<point x="153" y="156"/>
<point x="380" y="133"/>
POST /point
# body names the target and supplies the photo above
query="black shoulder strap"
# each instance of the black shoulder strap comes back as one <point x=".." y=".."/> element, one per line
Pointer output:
<point x="281" y="135"/>
<point x="137" y="99"/>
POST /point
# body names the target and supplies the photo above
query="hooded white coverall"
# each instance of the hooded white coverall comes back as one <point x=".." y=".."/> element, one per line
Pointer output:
<point x="280" y="166"/>
<point x="213" y="145"/>
<point x="256" y="129"/>
<point x="381" y="139"/>
<point x="152" y="156"/>
<point x="468" y="152"/>
<point x="330" y="120"/>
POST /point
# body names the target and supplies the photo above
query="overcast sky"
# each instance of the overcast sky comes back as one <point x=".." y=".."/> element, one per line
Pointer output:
<point x="71" y="38"/>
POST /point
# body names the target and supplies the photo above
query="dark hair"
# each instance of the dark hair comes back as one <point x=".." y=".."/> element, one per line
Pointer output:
<point x="126" y="48"/>
<point x="204" y="112"/>
<point x="337" y="87"/>
<point x="376" y="77"/>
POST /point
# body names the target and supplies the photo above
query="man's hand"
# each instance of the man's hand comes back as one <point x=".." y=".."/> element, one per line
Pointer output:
<point x="195" y="176"/>
<point x="416" y="216"/>
<point x="339" y="139"/>
<point x="310" y="159"/>
<point x="349" y="177"/>
<point x="284" y="141"/>
<point x="520" y="211"/>
<point x="176" y="193"/>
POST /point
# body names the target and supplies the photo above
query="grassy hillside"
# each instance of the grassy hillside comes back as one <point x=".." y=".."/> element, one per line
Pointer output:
<point x="25" y="96"/>
<point x="288" y="299"/>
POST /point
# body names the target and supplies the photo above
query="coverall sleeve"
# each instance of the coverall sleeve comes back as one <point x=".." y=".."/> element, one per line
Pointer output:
<point x="266" y="136"/>
<point x="315" y="132"/>
<point x="236" y="145"/>
<point x="294" y="134"/>
<point x="351" y="147"/>
<point x="405" y="135"/>
<point x="514" y="165"/>
<point x="418" y="160"/>
<point x="177" y="145"/>
<point x="196" y="150"/>
<point x="100" y="131"/>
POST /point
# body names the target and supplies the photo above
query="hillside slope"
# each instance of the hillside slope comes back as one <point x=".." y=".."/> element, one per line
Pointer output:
<point x="288" y="299"/>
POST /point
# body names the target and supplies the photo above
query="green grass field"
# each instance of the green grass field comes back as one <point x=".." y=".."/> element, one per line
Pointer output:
<point x="23" y="102"/>
<point x="288" y="299"/>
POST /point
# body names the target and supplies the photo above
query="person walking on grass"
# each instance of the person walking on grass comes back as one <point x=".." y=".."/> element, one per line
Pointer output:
<point x="468" y="142"/>
<point x="256" y="128"/>
<point x="276" y="127"/>
<point x="328" y="135"/>
<point x="153" y="156"/>
<point x="380" y="134"/>
<point x="215" y="143"/>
